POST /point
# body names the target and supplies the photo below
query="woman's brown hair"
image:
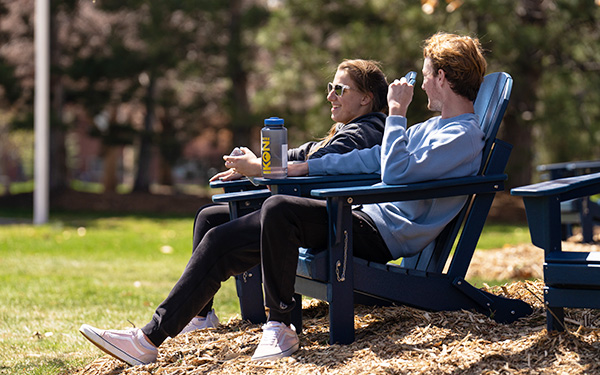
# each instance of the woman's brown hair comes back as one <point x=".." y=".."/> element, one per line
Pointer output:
<point x="369" y="78"/>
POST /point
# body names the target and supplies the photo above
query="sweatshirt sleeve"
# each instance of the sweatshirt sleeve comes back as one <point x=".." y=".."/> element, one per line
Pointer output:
<point x="300" y="153"/>
<point x="437" y="150"/>
<point x="366" y="132"/>
<point x="356" y="161"/>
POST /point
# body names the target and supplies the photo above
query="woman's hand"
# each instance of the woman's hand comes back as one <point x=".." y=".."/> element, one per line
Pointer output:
<point x="248" y="164"/>
<point x="228" y="175"/>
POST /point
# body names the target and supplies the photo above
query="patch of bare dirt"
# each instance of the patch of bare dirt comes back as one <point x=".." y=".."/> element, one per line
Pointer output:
<point x="132" y="203"/>
<point x="520" y="262"/>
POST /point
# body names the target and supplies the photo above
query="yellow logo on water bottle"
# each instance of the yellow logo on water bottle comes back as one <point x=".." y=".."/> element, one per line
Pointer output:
<point x="266" y="154"/>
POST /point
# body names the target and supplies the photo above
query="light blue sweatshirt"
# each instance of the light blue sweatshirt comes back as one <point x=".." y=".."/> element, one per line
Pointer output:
<point x="435" y="149"/>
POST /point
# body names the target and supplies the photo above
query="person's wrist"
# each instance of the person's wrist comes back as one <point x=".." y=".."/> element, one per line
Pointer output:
<point x="397" y="110"/>
<point x="296" y="169"/>
<point x="256" y="167"/>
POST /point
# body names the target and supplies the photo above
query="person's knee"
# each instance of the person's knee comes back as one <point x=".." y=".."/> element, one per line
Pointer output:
<point x="203" y="210"/>
<point x="211" y="211"/>
<point x="276" y="202"/>
<point x="217" y="235"/>
<point x="277" y="207"/>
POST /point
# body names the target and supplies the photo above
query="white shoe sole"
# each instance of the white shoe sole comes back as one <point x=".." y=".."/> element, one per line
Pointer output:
<point x="283" y="354"/>
<point x="89" y="333"/>
<point x="212" y="321"/>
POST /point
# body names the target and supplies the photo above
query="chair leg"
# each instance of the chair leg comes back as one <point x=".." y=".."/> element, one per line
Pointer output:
<point x="341" y="323"/>
<point x="250" y="294"/>
<point x="566" y="231"/>
<point x="587" y="224"/>
<point x="555" y="319"/>
<point x="341" y="314"/>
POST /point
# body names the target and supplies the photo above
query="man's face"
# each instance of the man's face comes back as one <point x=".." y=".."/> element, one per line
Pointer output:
<point x="431" y="87"/>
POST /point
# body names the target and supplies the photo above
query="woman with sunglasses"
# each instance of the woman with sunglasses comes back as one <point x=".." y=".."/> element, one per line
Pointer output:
<point x="358" y="97"/>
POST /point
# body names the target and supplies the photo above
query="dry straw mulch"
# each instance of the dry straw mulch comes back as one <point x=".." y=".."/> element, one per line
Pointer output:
<point x="401" y="340"/>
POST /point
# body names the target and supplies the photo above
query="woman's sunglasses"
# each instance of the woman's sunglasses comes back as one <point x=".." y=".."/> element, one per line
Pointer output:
<point x="337" y="89"/>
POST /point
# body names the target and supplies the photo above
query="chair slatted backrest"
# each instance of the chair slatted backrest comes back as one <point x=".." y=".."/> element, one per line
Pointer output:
<point x="490" y="105"/>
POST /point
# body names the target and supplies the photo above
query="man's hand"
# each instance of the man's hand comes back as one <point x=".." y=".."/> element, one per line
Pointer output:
<point x="400" y="94"/>
<point x="247" y="164"/>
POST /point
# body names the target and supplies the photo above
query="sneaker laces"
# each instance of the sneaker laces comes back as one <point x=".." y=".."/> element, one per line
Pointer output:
<point x="270" y="333"/>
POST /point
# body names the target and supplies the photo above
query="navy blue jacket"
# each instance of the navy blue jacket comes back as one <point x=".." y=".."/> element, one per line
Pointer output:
<point x="362" y="132"/>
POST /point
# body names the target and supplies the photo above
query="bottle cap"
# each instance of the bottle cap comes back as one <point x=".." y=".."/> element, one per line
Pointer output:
<point x="273" y="121"/>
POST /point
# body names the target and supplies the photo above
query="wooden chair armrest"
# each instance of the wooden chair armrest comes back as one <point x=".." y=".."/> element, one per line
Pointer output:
<point x="565" y="169"/>
<point x="241" y="195"/>
<point x="421" y="190"/>
<point x="299" y="186"/>
<point x="542" y="205"/>
<point x="564" y="188"/>
<point x="302" y="186"/>
<point x="235" y="185"/>
<point x="317" y="179"/>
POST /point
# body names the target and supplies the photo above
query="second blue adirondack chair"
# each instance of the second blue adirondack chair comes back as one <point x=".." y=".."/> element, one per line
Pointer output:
<point x="572" y="278"/>
<point x="582" y="211"/>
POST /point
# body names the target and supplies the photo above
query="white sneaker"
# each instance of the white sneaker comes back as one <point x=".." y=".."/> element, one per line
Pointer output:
<point x="130" y="346"/>
<point x="278" y="341"/>
<point x="210" y="321"/>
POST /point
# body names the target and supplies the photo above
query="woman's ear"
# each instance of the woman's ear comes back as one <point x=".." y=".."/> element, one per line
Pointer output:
<point x="367" y="99"/>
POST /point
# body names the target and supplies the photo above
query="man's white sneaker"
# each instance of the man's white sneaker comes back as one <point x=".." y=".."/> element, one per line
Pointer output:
<point x="130" y="346"/>
<point x="210" y="321"/>
<point x="278" y="341"/>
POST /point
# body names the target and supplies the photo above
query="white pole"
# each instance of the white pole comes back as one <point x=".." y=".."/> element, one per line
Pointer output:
<point x="42" y="112"/>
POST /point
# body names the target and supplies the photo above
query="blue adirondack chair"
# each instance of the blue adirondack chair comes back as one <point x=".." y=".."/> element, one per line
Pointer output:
<point x="572" y="278"/>
<point x="581" y="211"/>
<point x="428" y="280"/>
<point x="242" y="206"/>
<point x="243" y="199"/>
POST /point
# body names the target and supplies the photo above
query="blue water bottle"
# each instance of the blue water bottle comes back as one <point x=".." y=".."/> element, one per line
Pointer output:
<point x="274" y="148"/>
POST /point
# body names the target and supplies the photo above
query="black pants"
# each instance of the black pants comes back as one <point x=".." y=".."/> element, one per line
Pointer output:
<point x="208" y="217"/>
<point x="282" y="225"/>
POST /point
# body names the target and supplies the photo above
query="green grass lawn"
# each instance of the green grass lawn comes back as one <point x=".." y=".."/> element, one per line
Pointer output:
<point x="101" y="271"/>
<point x="104" y="271"/>
<point x="497" y="236"/>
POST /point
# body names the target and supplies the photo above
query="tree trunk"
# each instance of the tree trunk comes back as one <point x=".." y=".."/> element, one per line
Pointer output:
<point x="111" y="155"/>
<point x="165" y="173"/>
<point x="143" y="176"/>
<point x="58" y="152"/>
<point x="241" y="120"/>
<point x="517" y="128"/>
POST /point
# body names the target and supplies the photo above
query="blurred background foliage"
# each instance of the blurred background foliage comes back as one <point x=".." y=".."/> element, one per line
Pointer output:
<point x="164" y="88"/>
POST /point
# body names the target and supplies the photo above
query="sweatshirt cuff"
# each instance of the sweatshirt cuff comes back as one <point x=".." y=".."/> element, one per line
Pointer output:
<point x="316" y="166"/>
<point x="395" y="120"/>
